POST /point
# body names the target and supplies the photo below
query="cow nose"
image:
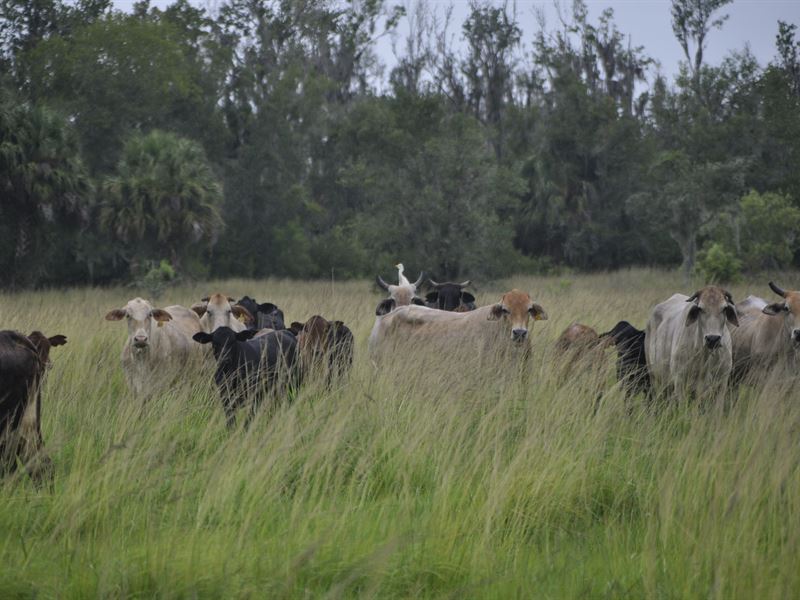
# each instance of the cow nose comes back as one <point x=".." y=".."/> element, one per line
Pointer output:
<point x="796" y="336"/>
<point x="519" y="335"/>
<point x="713" y="341"/>
<point x="140" y="340"/>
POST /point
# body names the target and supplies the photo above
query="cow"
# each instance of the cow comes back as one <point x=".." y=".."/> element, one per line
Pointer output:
<point x="324" y="347"/>
<point x="769" y="334"/>
<point x="23" y="361"/>
<point x="631" y="361"/>
<point x="577" y="338"/>
<point x="155" y="336"/>
<point x="265" y="315"/>
<point x="505" y="322"/>
<point x="402" y="294"/>
<point x="248" y="368"/>
<point x="450" y="296"/>
<point x="688" y="343"/>
<point x="219" y="310"/>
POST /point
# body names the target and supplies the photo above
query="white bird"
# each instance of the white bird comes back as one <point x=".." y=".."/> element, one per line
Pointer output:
<point x="401" y="279"/>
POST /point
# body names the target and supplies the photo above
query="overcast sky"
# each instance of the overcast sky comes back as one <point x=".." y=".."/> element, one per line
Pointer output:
<point x="648" y="22"/>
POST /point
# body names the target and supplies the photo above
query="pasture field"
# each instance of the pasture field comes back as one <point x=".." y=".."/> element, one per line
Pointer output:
<point x="413" y="480"/>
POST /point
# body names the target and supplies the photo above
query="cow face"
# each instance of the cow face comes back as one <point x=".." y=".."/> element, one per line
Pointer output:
<point x="222" y="338"/>
<point x="218" y="311"/>
<point x="789" y="309"/>
<point x="515" y="309"/>
<point x="449" y="296"/>
<point x="712" y="309"/>
<point x="270" y="317"/>
<point x="142" y="317"/>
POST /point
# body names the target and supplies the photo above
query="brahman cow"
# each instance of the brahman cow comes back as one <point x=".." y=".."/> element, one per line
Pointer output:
<point x="769" y="334"/>
<point x="23" y="361"/>
<point x="325" y="347"/>
<point x="688" y="342"/>
<point x="155" y="336"/>
<point x="450" y="296"/>
<point x="578" y="339"/>
<point x="631" y="360"/>
<point x="490" y="325"/>
<point x="248" y="369"/>
<point x="402" y="294"/>
<point x="219" y="310"/>
<point x="265" y="315"/>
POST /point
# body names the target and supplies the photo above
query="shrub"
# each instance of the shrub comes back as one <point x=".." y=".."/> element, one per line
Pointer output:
<point x="718" y="265"/>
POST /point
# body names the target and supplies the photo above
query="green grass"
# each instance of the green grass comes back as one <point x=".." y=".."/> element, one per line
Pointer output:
<point x="420" y="479"/>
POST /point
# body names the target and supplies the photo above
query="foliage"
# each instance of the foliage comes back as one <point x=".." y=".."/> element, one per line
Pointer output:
<point x="718" y="265"/>
<point x="157" y="277"/>
<point x="164" y="197"/>
<point x="769" y="226"/>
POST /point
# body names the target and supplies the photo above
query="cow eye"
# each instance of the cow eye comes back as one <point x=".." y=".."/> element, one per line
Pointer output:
<point x="506" y="311"/>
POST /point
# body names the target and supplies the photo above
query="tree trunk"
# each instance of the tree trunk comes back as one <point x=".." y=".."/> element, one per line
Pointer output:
<point x="687" y="241"/>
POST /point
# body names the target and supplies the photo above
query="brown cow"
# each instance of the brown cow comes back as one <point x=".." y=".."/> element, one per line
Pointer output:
<point x="324" y="347"/>
<point x="23" y="361"/>
<point x="578" y="338"/>
<point x="219" y="310"/>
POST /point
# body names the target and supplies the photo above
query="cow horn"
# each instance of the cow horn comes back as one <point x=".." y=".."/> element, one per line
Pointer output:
<point x="382" y="283"/>
<point x="434" y="284"/>
<point x="693" y="297"/>
<point x="418" y="282"/>
<point x="464" y="284"/>
<point x="776" y="289"/>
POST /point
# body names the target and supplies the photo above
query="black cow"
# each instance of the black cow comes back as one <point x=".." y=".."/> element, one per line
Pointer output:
<point x="249" y="368"/>
<point x="450" y="296"/>
<point x="23" y="360"/>
<point x="631" y="361"/>
<point x="265" y="315"/>
<point x="389" y="304"/>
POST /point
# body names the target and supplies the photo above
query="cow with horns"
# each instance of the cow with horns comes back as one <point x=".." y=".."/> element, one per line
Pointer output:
<point x="402" y="294"/>
<point x="450" y="296"/>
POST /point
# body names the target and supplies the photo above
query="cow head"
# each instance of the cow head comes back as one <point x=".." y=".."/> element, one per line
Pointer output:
<point x="218" y="310"/>
<point x="449" y="296"/>
<point x="42" y="343"/>
<point x="403" y="294"/>
<point x="515" y="309"/>
<point x="624" y="336"/>
<point x="789" y="309"/>
<point x="313" y="334"/>
<point x="711" y="309"/>
<point x="222" y="338"/>
<point x="142" y="317"/>
<point x="270" y="317"/>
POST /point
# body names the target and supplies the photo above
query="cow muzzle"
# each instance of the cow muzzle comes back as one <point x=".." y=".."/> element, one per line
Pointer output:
<point x="519" y="335"/>
<point x="796" y="338"/>
<point x="140" y="341"/>
<point x="713" y="341"/>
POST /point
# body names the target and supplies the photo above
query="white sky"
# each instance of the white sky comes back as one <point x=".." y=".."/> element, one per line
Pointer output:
<point x="648" y="22"/>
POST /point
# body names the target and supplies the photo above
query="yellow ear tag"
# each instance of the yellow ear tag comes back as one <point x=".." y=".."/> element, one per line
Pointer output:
<point x="538" y="318"/>
<point x="160" y="323"/>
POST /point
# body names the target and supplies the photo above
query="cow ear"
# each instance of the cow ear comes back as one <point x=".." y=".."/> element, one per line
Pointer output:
<point x="245" y="335"/>
<point x="467" y="297"/>
<point x="385" y="307"/>
<point x="296" y="327"/>
<point x="730" y="314"/>
<point x="202" y="337"/>
<point x="199" y="308"/>
<point x="537" y="312"/>
<point x="240" y="312"/>
<point x="267" y="307"/>
<point x="432" y="296"/>
<point x="496" y="313"/>
<point x="116" y="315"/>
<point x="231" y="300"/>
<point x="776" y="308"/>
<point x="160" y="315"/>
<point x="417" y="301"/>
<point x="57" y="340"/>
<point x="692" y="315"/>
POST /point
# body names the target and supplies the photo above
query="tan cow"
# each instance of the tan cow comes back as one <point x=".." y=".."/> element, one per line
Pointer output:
<point x="219" y="310"/>
<point x="402" y="294"/>
<point x="504" y="322"/>
<point x="769" y="335"/>
<point x="688" y="343"/>
<point x="155" y="336"/>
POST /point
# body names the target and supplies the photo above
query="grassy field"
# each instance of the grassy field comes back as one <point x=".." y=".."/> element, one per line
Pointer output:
<point x="409" y="481"/>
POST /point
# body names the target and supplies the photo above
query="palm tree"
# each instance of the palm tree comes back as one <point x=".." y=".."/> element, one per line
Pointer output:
<point x="164" y="198"/>
<point x="42" y="181"/>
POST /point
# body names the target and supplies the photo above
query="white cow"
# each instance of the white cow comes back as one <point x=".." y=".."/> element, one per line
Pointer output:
<point x="688" y="343"/>
<point x="155" y="336"/>
<point x="219" y="310"/>
<point x="402" y="294"/>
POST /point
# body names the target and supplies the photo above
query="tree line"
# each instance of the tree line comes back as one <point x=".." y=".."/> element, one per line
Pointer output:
<point x="269" y="139"/>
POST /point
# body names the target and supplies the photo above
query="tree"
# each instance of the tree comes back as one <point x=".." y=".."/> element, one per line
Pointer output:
<point x="692" y="20"/>
<point x="44" y="192"/>
<point x="164" y="199"/>
<point x="768" y="231"/>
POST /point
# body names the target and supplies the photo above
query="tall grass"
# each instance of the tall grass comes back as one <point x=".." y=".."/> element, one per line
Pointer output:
<point x="426" y="477"/>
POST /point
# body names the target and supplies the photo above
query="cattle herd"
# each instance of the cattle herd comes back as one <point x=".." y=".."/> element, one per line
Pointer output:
<point x="692" y="347"/>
